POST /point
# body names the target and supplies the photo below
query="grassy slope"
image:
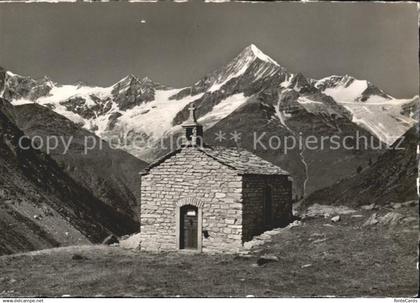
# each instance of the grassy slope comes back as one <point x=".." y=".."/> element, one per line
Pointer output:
<point x="352" y="261"/>
<point x="391" y="179"/>
<point x="32" y="184"/>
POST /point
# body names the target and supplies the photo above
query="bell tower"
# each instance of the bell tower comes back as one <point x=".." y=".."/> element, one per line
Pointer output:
<point x="193" y="130"/>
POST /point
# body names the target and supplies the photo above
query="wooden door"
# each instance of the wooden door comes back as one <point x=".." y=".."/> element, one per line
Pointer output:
<point x="189" y="227"/>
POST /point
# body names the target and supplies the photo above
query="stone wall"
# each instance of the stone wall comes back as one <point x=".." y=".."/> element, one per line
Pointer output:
<point x="191" y="175"/>
<point x="254" y="188"/>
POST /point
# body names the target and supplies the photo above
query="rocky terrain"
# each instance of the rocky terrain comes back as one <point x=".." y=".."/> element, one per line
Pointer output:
<point x="411" y="109"/>
<point x="41" y="205"/>
<point x="250" y="93"/>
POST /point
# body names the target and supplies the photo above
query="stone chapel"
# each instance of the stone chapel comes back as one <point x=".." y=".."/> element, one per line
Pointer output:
<point x="210" y="199"/>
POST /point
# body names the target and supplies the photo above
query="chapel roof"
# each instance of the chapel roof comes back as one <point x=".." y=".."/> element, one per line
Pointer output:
<point x="241" y="160"/>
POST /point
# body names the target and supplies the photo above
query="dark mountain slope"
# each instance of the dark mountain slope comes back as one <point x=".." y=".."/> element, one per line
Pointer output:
<point x="280" y="118"/>
<point x="40" y="205"/>
<point x="112" y="175"/>
<point x="391" y="179"/>
<point x="311" y="169"/>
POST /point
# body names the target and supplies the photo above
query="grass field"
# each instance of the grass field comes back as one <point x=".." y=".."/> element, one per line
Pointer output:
<point x="319" y="258"/>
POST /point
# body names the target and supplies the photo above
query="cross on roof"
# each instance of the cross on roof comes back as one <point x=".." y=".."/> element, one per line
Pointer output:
<point x="192" y="108"/>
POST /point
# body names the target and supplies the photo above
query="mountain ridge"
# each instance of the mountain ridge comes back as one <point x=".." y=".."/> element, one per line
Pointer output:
<point x="139" y="114"/>
<point x="390" y="179"/>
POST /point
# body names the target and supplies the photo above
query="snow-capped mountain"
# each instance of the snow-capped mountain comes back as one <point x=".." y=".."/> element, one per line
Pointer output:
<point x="14" y="87"/>
<point x="136" y="114"/>
<point x="348" y="89"/>
<point x="372" y="108"/>
<point x="251" y="64"/>
<point x="130" y="106"/>
<point x="136" y="108"/>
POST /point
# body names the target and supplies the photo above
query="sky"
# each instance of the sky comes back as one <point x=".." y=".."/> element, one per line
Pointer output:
<point x="178" y="43"/>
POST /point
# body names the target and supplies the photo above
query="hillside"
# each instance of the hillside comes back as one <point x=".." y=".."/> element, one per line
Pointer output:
<point x="311" y="169"/>
<point x="42" y="206"/>
<point x="112" y="175"/>
<point x="278" y="116"/>
<point x="391" y="179"/>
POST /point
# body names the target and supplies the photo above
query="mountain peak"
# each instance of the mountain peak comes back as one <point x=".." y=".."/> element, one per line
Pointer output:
<point x="131" y="77"/>
<point x="253" y="50"/>
<point x="127" y="80"/>
<point x="146" y="80"/>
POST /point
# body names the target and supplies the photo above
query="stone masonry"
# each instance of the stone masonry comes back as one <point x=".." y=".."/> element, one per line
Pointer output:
<point x="253" y="195"/>
<point x="191" y="175"/>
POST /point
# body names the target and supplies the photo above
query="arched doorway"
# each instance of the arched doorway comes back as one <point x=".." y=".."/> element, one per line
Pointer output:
<point x="188" y="232"/>
<point x="189" y="224"/>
